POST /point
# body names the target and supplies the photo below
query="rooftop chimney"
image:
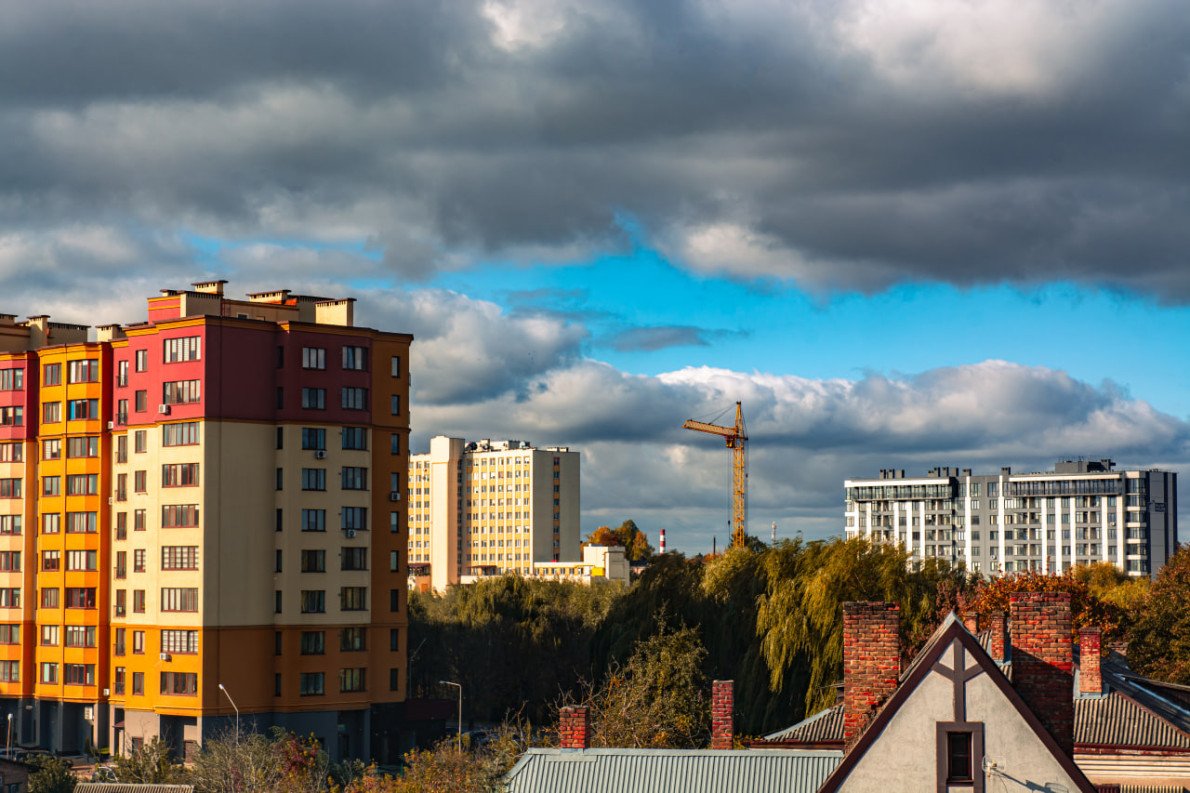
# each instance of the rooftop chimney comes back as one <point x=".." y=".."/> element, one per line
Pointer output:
<point x="1042" y="660"/>
<point x="572" y="727"/>
<point x="871" y="661"/>
<point x="1090" y="676"/>
<point x="722" y="716"/>
<point x="662" y="541"/>
<point x="999" y="628"/>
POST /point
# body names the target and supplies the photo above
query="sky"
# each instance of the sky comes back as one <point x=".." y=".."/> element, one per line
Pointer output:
<point x="904" y="233"/>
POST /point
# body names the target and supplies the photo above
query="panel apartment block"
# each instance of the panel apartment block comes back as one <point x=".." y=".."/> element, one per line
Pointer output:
<point x="1081" y="512"/>
<point x="210" y="497"/>
<point x="491" y="507"/>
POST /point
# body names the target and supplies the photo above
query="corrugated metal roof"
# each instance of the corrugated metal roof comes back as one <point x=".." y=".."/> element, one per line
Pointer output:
<point x="824" y="726"/>
<point x="1116" y="720"/>
<point x="671" y="771"/>
<point x="1152" y="789"/>
<point x="131" y="787"/>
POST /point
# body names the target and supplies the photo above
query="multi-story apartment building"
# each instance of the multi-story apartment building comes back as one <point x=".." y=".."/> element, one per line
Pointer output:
<point x="491" y="507"/>
<point x="1081" y="512"/>
<point x="203" y="512"/>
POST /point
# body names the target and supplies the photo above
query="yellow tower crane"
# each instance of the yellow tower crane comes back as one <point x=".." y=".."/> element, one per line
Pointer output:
<point x="736" y="437"/>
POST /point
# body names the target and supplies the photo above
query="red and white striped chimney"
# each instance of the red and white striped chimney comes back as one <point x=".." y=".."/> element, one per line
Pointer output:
<point x="662" y="543"/>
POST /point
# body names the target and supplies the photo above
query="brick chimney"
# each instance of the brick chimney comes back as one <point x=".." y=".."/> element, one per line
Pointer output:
<point x="1090" y="676"/>
<point x="999" y="628"/>
<point x="722" y="714"/>
<point x="1042" y="663"/>
<point x="572" y="727"/>
<point x="871" y="661"/>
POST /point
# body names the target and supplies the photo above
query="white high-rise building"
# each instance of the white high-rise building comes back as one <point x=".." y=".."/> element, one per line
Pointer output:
<point x="1081" y="512"/>
<point x="490" y="507"/>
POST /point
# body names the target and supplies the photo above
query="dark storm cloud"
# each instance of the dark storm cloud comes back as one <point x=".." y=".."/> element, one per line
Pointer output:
<point x="847" y="145"/>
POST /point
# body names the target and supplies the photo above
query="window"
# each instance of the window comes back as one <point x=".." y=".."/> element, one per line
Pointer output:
<point x="121" y="641"/>
<point x="353" y="640"/>
<point x="395" y="405"/>
<point x="354" y="398"/>
<point x="121" y="606"/>
<point x="140" y="401"/>
<point x="51" y="485"/>
<point x="179" y="475"/>
<point x="10" y="598"/>
<point x="118" y="679"/>
<point x="121" y="564"/>
<point x="81" y="560"/>
<point x="394" y="444"/>
<point x="138" y="560"/>
<point x="354" y="518"/>
<point x="142" y="360"/>
<point x="52" y="374"/>
<point x="355" y="358"/>
<point x="82" y="484"/>
<point x="179" y="516"/>
<point x="86" y="446"/>
<point x="51" y="598"/>
<point x="10" y="488"/>
<point x="86" y="371"/>
<point x="138" y="520"/>
<point x="184" y="434"/>
<point x="313" y="561"/>
<point x="394" y="679"/>
<point x="313" y="642"/>
<point x="313" y="479"/>
<point x="51" y="449"/>
<point x="959" y="753"/>
<point x="79" y="674"/>
<point x="81" y="522"/>
<point x="80" y="636"/>
<point x="179" y="642"/>
<point x="958" y="757"/>
<point x="351" y="680"/>
<point x="353" y="598"/>
<point x="314" y="398"/>
<point x="122" y="411"/>
<point x="313" y="439"/>
<point x="78" y="597"/>
<point x="12" y="379"/>
<point x="354" y="478"/>
<point x="181" y="392"/>
<point x="179" y="557"/>
<point x="11" y="452"/>
<point x="394" y="600"/>
<point x="51" y="523"/>
<point x="49" y="635"/>
<point x="10" y="524"/>
<point x="49" y="673"/>
<point x="276" y="601"/>
<point x="355" y="438"/>
<point x="10" y="561"/>
<point x="138" y="683"/>
<point x="10" y="672"/>
<point x="313" y="601"/>
<point x="395" y="366"/>
<point x="312" y="683"/>
<point x="10" y="634"/>
<point x="353" y="559"/>
<point x="313" y="520"/>
<point x="138" y="642"/>
<point x="394" y="639"/>
<point x="188" y="348"/>
<point x="122" y="373"/>
<point x="12" y="416"/>
<point x="82" y="409"/>
<point x="179" y="599"/>
<point x="313" y="358"/>
<point x="51" y="412"/>
<point x="140" y="441"/>
<point x="394" y="561"/>
<point x="179" y="683"/>
<point x="138" y="601"/>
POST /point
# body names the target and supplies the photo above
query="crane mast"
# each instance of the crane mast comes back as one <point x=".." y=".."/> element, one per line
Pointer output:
<point x="736" y="438"/>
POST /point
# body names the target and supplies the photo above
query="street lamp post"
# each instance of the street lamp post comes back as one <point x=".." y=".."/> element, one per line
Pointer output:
<point x="227" y="694"/>
<point x="459" y="686"/>
<point x="8" y="749"/>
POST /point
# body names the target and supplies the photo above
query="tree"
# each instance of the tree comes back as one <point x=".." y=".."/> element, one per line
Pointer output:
<point x="150" y="763"/>
<point x="53" y="775"/>
<point x="254" y="762"/>
<point x="1087" y="610"/>
<point x="628" y="536"/>
<point x="1159" y="641"/>
<point x="658" y="700"/>
<point x="444" y="769"/>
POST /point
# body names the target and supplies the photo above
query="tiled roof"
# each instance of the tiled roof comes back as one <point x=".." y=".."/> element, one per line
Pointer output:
<point x="671" y="770"/>
<point x="1118" y="720"/>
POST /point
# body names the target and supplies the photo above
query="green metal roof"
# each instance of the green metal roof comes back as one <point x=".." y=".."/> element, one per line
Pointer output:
<point x="671" y="770"/>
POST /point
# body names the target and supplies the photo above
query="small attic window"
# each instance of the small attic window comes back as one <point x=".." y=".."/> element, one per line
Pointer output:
<point x="958" y="757"/>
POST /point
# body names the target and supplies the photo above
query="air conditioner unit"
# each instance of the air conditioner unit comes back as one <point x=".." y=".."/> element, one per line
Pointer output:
<point x="107" y="692"/>
<point x="166" y="657"/>
<point x="320" y="454"/>
<point x="394" y="495"/>
<point x="110" y="500"/>
<point x="163" y="410"/>
<point x="111" y="425"/>
<point x="349" y="533"/>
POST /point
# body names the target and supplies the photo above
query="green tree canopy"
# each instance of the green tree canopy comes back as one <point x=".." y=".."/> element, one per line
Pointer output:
<point x="1159" y="641"/>
<point x="627" y="535"/>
